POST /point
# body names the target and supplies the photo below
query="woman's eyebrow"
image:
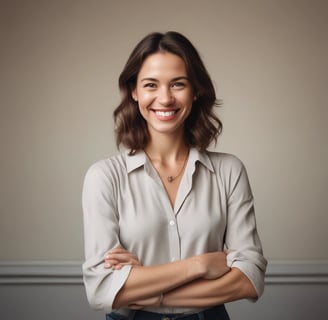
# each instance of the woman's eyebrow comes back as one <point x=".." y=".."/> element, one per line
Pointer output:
<point x="156" y="80"/>
<point x="148" y="79"/>
<point x="180" y="78"/>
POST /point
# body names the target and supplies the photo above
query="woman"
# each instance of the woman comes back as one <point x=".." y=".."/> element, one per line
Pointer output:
<point x="170" y="230"/>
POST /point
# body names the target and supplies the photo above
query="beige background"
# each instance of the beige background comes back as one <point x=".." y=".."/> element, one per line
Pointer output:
<point x="59" y="64"/>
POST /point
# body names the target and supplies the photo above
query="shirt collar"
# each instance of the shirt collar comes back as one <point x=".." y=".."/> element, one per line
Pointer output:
<point x="201" y="156"/>
<point x="140" y="159"/>
<point x="135" y="161"/>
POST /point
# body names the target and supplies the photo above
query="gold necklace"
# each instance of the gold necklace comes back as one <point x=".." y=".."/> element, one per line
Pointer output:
<point x="172" y="178"/>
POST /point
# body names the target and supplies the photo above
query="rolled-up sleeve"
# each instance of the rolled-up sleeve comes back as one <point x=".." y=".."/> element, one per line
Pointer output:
<point x="242" y="240"/>
<point x="101" y="233"/>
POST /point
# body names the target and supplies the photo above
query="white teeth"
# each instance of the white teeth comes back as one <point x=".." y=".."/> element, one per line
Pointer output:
<point x="165" y="113"/>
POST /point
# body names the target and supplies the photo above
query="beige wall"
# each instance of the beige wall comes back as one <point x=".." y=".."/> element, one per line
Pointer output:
<point x="59" y="64"/>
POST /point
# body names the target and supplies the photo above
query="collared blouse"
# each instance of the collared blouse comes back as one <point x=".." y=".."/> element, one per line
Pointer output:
<point x="125" y="204"/>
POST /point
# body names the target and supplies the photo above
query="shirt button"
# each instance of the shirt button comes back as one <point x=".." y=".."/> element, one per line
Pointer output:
<point x="172" y="223"/>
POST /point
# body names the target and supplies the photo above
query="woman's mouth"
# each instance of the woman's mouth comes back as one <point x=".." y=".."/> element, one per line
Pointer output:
<point x="165" y="115"/>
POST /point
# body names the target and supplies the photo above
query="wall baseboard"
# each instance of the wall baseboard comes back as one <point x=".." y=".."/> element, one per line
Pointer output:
<point x="70" y="272"/>
<point x="297" y="272"/>
<point x="41" y="272"/>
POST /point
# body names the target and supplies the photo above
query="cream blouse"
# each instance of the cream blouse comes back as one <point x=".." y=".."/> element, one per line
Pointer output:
<point x="125" y="203"/>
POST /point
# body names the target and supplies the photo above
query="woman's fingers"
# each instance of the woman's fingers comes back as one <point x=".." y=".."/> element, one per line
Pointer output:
<point x="150" y="302"/>
<point x="119" y="257"/>
<point x="122" y="258"/>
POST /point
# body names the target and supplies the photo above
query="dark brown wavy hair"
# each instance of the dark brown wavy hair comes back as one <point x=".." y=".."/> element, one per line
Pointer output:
<point x="202" y="125"/>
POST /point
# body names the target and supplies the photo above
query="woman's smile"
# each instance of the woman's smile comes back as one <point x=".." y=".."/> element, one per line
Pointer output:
<point x="165" y="115"/>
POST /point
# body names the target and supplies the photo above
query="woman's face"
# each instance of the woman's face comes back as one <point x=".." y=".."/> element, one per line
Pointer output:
<point x="164" y="93"/>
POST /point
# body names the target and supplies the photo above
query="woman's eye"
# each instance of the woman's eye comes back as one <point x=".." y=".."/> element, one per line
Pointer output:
<point x="178" y="85"/>
<point x="150" y="85"/>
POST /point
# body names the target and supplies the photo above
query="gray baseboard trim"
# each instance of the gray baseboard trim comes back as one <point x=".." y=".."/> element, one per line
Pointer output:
<point x="297" y="272"/>
<point x="41" y="272"/>
<point x="70" y="272"/>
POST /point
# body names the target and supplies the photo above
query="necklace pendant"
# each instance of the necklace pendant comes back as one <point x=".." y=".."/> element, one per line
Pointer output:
<point x="170" y="178"/>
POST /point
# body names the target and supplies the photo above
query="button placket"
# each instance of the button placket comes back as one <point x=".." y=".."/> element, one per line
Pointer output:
<point x="174" y="240"/>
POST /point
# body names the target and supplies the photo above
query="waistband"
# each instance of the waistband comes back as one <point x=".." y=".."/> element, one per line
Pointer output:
<point x="216" y="313"/>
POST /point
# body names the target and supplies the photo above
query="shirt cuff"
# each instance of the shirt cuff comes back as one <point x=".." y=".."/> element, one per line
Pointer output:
<point x="118" y="279"/>
<point x="252" y="272"/>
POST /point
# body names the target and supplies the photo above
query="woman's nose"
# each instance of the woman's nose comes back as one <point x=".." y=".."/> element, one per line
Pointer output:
<point x="165" y="96"/>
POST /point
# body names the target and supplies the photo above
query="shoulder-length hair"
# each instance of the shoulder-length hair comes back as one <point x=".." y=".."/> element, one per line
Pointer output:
<point x="202" y="126"/>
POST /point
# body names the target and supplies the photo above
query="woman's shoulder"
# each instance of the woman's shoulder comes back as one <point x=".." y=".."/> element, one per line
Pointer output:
<point x="230" y="169"/>
<point x="113" y="165"/>
<point x="225" y="161"/>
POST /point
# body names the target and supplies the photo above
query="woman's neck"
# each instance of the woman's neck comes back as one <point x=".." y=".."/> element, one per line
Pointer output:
<point x="167" y="149"/>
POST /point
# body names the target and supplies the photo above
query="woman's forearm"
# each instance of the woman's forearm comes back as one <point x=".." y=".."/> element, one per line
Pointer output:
<point x="147" y="282"/>
<point x="205" y="293"/>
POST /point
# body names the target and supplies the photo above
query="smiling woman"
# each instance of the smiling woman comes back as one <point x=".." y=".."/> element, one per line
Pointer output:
<point x="170" y="227"/>
<point x="202" y="125"/>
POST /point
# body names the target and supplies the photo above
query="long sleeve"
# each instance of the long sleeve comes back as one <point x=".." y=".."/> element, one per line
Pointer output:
<point x="242" y="240"/>
<point x="101" y="233"/>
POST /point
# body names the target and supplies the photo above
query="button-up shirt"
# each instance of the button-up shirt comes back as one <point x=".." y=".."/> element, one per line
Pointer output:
<point x="125" y="204"/>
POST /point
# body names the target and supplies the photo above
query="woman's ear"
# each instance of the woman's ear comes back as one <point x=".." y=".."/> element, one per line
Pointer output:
<point x="134" y="95"/>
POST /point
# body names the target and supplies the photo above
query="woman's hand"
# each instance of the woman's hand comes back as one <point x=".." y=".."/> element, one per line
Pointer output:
<point x="214" y="264"/>
<point x="150" y="302"/>
<point x="119" y="257"/>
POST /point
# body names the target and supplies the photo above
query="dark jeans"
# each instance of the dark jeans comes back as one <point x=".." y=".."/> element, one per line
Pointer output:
<point x="215" y="313"/>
